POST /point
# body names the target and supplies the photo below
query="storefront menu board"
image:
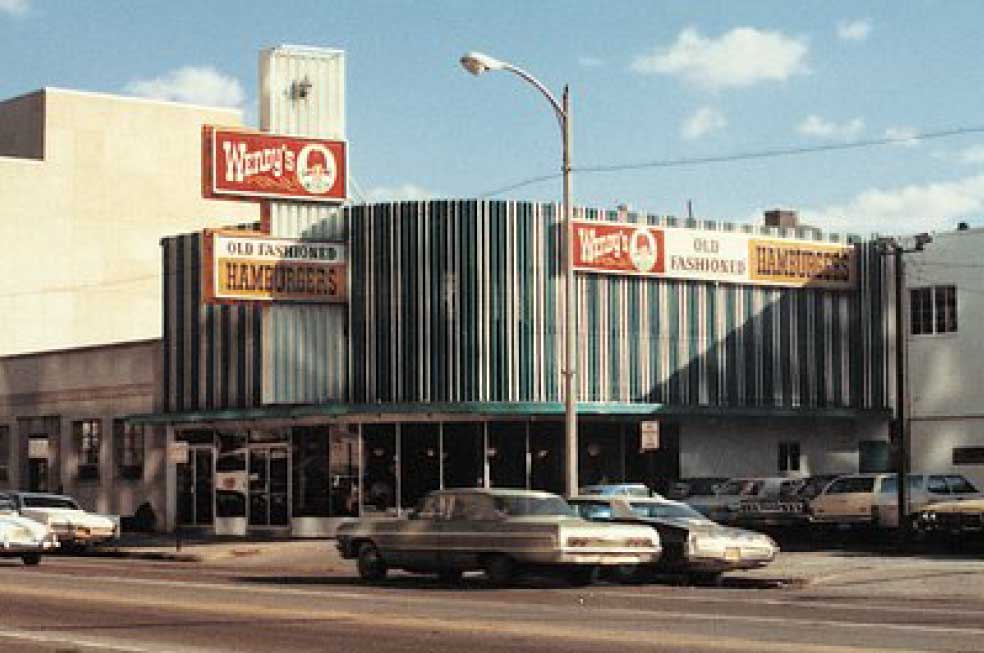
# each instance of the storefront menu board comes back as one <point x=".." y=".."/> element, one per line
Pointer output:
<point x="239" y="164"/>
<point x="250" y="266"/>
<point x="723" y="256"/>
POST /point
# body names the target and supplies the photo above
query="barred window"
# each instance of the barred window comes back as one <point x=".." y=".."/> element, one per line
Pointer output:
<point x="4" y="452"/>
<point x="128" y="445"/>
<point x="933" y="310"/>
<point x="789" y="456"/>
<point x="88" y="437"/>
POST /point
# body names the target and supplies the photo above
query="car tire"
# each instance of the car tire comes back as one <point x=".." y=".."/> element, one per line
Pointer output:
<point x="500" y="570"/>
<point x="31" y="559"/>
<point x="581" y="575"/>
<point x="449" y="576"/>
<point x="629" y="574"/>
<point x="371" y="565"/>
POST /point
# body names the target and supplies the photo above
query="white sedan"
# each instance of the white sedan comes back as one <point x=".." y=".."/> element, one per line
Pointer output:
<point x="65" y="517"/>
<point x="22" y="537"/>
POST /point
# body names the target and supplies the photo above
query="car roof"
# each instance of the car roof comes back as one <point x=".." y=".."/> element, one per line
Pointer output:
<point x="39" y="495"/>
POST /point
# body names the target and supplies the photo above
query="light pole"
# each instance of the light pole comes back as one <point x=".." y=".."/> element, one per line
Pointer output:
<point x="897" y="249"/>
<point x="477" y="63"/>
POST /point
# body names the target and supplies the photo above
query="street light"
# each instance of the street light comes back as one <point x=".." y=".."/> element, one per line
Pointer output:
<point x="897" y="247"/>
<point x="477" y="63"/>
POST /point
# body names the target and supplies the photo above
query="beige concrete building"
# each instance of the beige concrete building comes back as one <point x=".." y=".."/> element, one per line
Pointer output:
<point x="89" y="184"/>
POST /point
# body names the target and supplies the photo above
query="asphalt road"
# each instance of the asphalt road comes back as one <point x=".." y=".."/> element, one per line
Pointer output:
<point x="80" y="604"/>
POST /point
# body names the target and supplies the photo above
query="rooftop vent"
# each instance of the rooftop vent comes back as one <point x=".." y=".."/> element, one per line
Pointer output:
<point x="781" y="218"/>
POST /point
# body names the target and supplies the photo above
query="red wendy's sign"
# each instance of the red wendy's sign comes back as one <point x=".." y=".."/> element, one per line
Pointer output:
<point x="257" y="165"/>
<point x="618" y="247"/>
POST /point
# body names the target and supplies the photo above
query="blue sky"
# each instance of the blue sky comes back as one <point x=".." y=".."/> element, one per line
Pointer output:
<point x="651" y="81"/>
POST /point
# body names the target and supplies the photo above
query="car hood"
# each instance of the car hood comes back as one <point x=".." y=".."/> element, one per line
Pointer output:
<point x="63" y="516"/>
<point x="10" y="522"/>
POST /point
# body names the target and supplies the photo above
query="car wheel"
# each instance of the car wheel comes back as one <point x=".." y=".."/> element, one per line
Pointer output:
<point x="626" y="574"/>
<point x="31" y="559"/>
<point x="449" y="575"/>
<point x="371" y="565"/>
<point x="581" y="575"/>
<point x="500" y="570"/>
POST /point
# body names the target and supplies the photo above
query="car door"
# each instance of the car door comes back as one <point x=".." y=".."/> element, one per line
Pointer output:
<point x="415" y="542"/>
<point x="467" y="532"/>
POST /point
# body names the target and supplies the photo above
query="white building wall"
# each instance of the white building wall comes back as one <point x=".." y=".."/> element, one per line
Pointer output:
<point x="946" y="371"/>
<point x="750" y="446"/>
<point x="82" y="224"/>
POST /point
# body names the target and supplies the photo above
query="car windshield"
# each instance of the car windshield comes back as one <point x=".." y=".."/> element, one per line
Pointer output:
<point x="814" y="486"/>
<point x="741" y="487"/>
<point x="666" y="511"/>
<point x="50" y="502"/>
<point x="519" y="506"/>
<point x="593" y="509"/>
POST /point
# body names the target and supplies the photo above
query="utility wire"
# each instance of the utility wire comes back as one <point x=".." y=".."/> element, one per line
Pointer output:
<point x="744" y="156"/>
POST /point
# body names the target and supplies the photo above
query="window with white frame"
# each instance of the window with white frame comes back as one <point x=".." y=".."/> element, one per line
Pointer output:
<point x="933" y="310"/>
<point x="128" y="446"/>
<point x="88" y="438"/>
<point x="4" y="452"/>
<point x="789" y="456"/>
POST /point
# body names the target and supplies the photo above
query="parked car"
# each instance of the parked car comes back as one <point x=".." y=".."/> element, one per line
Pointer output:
<point x="499" y="531"/>
<point x="697" y="486"/>
<point x="74" y="527"/>
<point x="871" y="499"/>
<point x="765" y="493"/>
<point x="789" y="509"/>
<point x="611" y="489"/>
<point x="957" y="520"/>
<point x="22" y="537"/>
<point x="692" y="543"/>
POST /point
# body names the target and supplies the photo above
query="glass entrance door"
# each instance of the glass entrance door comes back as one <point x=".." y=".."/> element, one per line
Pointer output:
<point x="196" y="487"/>
<point x="269" y="485"/>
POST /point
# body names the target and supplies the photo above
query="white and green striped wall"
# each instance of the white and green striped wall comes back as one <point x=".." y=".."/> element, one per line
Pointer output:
<point x="456" y="302"/>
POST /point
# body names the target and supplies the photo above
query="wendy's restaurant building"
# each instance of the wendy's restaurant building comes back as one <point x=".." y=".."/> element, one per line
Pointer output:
<point x="323" y="361"/>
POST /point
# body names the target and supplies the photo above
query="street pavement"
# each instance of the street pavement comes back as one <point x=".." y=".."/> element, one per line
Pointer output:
<point x="298" y="595"/>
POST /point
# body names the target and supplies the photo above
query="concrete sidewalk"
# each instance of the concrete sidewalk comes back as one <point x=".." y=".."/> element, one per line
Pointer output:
<point x="846" y="572"/>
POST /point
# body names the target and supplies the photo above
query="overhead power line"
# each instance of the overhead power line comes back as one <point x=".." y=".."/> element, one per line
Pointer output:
<point x="744" y="156"/>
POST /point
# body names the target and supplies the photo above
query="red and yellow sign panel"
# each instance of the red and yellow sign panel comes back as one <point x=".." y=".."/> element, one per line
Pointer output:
<point x="703" y="255"/>
<point x="257" y="165"/>
<point x="247" y="266"/>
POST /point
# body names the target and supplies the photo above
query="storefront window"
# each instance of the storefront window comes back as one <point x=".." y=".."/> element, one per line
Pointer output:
<point x="600" y="453"/>
<point x="463" y="464"/>
<point x="507" y="454"/>
<point x="128" y="445"/>
<point x="310" y="474"/>
<point x="344" y="471"/>
<point x="420" y="463"/>
<point x="547" y="456"/>
<point x="379" y="468"/>
<point x="230" y="475"/>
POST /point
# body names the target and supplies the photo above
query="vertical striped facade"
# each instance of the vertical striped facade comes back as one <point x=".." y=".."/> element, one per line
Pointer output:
<point x="212" y="356"/>
<point x="462" y="301"/>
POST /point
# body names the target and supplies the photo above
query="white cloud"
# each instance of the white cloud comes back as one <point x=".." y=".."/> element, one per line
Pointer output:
<point x="398" y="193"/>
<point x="590" y="62"/>
<point x="972" y="154"/>
<point x="196" y="85"/>
<point x="743" y="57"/>
<point x="703" y="122"/>
<point x="814" y="125"/>
<point x="855" y="30"/>
<point x="905" y="210"/>
<point x="904" y="136"/>
<point x="14" y="7"/>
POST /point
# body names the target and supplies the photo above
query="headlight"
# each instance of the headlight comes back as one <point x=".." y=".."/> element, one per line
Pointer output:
<point x="929" y="516"/>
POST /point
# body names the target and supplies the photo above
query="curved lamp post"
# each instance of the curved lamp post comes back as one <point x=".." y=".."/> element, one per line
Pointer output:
<point x="477" y="63"/>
